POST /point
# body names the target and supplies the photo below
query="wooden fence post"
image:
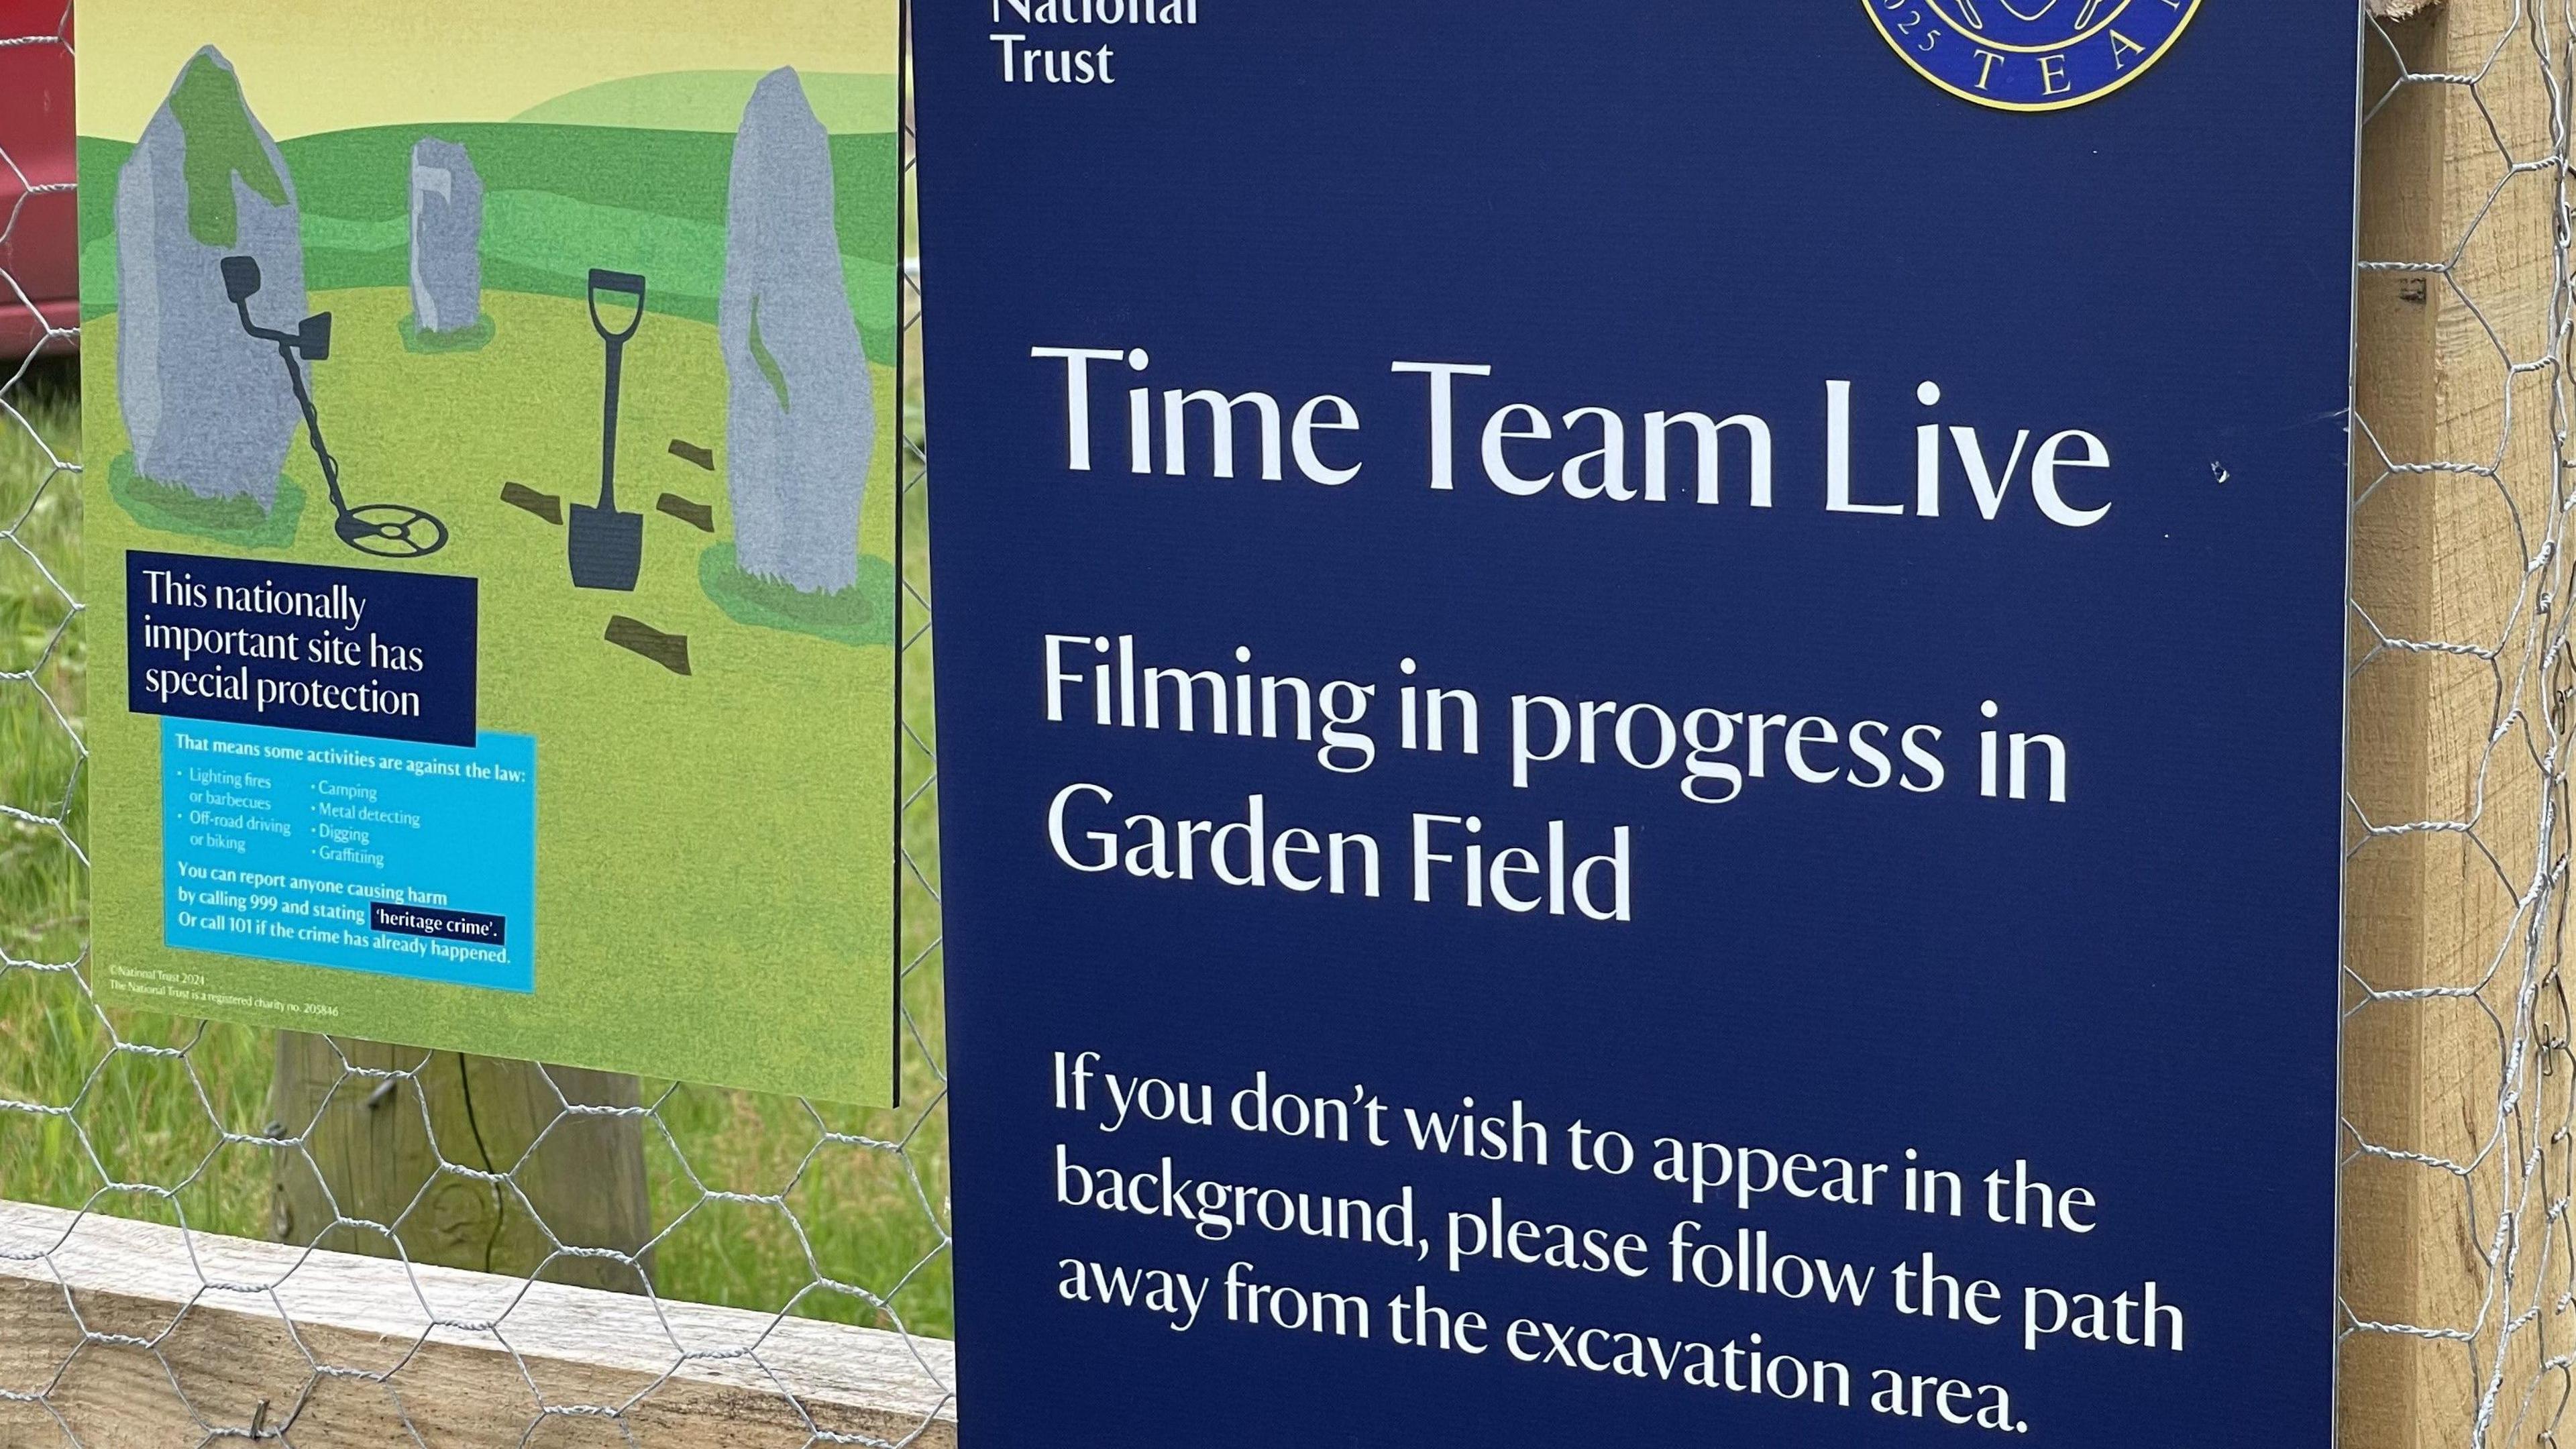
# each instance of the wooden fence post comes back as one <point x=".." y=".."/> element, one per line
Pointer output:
<point x="2445" y="1321"/>
<point x="386" y="1149"/>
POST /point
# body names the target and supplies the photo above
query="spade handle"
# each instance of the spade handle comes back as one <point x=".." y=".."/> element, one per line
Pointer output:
<point x="608" y="429"/>
<point x="618" y="284"/>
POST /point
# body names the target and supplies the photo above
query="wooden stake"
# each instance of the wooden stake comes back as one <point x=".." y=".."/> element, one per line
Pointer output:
<point x="380" y="1144"/>
<point x="2440" y="557"/>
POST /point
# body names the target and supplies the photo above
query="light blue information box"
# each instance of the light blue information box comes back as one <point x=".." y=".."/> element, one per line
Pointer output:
<point x="373" y="855"/>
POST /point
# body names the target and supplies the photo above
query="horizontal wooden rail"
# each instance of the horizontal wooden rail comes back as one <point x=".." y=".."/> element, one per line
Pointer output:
<point x="106" y="1317"/>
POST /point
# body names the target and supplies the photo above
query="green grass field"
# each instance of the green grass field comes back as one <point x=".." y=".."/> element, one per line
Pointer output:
<point x="853" y="1214"/>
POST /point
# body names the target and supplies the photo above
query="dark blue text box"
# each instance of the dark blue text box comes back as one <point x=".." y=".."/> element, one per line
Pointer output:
<point x="472" y="926"/>
<point x="302" y="646"/>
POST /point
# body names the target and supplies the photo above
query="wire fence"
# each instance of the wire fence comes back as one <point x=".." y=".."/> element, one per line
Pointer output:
<point x="2460" y="1279"/>
<point x="2457" y="1284"/>
<point x="716" y="1159"/>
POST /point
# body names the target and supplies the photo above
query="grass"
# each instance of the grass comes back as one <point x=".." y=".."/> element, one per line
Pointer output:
<point x="849" y="1212"/>
<point x="135" y="1120"/>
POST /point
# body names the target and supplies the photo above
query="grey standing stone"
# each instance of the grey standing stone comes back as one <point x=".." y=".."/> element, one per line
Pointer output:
<point x="446" y="237"/>
<point x="208" y="407"/>
<point x="801" y="413"/>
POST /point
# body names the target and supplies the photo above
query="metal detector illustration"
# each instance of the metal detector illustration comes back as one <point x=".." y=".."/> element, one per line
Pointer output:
<point x="607" y="547"/>
<point x="387" y="530"/>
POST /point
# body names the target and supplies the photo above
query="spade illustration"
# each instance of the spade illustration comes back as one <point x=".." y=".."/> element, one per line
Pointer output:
<point x="387" y="530"/>
<point x="607" y="546"/>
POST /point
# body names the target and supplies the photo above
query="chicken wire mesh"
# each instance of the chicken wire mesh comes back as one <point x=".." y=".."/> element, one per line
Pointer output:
<point x="2457" y="1289"/>
<point x="2461" y="1256"/>
<point x="116" y="1115"/>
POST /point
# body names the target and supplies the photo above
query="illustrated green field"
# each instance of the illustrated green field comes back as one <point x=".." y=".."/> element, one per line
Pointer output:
<point x="857" y="1215"/>
<point x="559" y="200"/>
<point x="694" y="801"/>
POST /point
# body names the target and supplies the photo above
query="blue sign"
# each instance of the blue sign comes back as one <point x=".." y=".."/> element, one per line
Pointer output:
<point x="399" y="859"/>
<point x="302" y="646"/>
<point x="1641" y="725"/>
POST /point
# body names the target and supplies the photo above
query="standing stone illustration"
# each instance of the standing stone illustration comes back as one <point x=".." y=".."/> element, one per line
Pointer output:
<point x="802" y="425"/>
<point x="207" y="405"/>
<point x="446" y="237"/>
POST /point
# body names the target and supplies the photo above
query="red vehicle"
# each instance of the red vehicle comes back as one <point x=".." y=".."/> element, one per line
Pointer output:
<point x="39" y="220"/>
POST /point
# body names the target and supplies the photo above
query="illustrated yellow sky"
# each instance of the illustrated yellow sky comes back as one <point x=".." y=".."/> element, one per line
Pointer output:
<point x="332" y="65"/>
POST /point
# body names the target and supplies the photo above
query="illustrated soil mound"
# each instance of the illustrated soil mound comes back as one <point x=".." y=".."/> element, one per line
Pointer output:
<point x="671" y="651"/>
<point x="544" y="505"/>
<point x="697" y="515"/>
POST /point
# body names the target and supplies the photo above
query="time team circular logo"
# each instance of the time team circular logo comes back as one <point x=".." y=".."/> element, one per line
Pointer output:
<point x="2031" y="55"/>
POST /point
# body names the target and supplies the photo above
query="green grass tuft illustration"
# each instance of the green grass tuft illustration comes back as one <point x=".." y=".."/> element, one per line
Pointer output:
<point x="434" y="344"/>
<point x="239" y="521"/>
<point x="855" y="616"/>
